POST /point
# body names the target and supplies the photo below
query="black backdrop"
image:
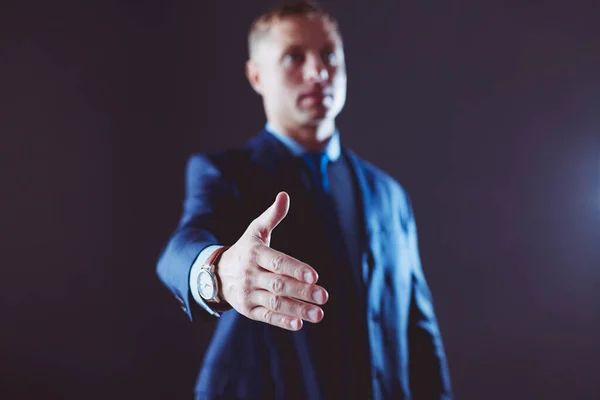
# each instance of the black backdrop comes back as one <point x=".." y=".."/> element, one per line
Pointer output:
<point x="486" y="112"/>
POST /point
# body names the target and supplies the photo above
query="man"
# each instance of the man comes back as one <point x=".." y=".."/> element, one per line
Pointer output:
<point x="305" y="254"/>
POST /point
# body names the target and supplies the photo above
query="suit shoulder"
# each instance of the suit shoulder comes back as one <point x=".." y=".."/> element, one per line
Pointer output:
<point x="220" y="163"/>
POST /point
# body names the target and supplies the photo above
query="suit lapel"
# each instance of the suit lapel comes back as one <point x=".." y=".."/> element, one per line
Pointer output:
<point x="269" y="154"/>
<point x="272" y="169"/>
<point x="369" y="213"/>
<point x="278" y="170"/>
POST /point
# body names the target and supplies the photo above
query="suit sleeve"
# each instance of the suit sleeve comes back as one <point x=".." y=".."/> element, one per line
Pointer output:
<point x="205" y="221"/>
<point x="428" y="368"/>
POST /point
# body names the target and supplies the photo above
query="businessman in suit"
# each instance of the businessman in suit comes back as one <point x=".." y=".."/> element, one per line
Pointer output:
<point x="304" y="254"/>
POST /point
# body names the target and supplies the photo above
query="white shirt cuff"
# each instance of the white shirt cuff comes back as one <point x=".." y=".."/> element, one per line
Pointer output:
<point x="200" y="260"/>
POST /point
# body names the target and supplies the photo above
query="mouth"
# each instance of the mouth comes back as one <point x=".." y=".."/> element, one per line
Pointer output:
<point x="318" y="95"/>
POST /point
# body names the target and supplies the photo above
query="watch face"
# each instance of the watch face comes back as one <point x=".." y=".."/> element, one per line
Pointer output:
<point x="206" y="285"/>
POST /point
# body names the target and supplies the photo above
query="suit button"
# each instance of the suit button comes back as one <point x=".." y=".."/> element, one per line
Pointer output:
<point x="368" y="258"/>
<point x="181" y="303"/>
<point x="376" y="317"/>
<point x="388" y="280"/>
<point x="367" y="264"/>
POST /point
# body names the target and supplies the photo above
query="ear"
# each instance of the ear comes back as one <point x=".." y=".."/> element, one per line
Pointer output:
<point x="253" y="75"/>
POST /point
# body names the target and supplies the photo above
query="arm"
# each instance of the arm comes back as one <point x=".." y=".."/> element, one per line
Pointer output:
<point x="428" y="369"/>
<point x="204" y="220"/>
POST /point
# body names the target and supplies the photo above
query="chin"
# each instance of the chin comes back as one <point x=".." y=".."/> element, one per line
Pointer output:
<point x="319" y="114"/>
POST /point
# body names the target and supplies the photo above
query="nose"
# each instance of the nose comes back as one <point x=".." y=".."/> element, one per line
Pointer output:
<point x="315" y="70"/>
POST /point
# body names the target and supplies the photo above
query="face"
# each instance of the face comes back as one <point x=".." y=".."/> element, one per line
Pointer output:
<point x="299" y="70"/>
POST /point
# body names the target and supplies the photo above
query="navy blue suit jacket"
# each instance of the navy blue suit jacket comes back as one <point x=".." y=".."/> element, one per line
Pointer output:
<point x="252" y="360"/>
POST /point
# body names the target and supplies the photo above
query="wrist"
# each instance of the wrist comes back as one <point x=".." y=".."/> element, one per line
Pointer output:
<point x="209" y="282"/>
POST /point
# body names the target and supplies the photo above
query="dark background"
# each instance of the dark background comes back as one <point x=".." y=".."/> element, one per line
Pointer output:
<point x="487" y="112"/>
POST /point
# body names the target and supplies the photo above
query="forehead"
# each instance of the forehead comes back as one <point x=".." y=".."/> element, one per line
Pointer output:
<point x="305" y="31"/>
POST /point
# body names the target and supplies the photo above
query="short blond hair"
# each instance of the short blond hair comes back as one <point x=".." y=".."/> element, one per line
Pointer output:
<point x="263" y="23"/>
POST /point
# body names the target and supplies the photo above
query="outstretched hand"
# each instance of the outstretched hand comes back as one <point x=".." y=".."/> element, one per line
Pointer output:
<point x="266" y="285"/>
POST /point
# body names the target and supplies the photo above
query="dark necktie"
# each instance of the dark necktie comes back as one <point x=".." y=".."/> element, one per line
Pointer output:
<point x="317" y="165"/>
<point x="342" y="310"/>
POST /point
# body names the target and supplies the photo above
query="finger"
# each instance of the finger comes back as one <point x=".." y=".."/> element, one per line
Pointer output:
<point x="287" y="306"/>
<point x="281" y="285"/>
<point x="270" y="317"/>
<point x="262" y="226"/>
<point x="280" y="263"/>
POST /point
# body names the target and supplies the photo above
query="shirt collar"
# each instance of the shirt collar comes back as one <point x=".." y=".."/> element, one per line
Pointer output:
<point x="333" y="148"/>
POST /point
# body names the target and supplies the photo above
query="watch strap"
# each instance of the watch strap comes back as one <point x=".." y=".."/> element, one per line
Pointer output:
<point x="214" y="257"/>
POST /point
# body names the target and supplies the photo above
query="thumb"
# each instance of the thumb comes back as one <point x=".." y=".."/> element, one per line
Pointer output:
<point x="262" y="226"/>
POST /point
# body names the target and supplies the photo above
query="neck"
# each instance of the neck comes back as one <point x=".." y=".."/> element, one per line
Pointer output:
<point x="312" y="137"/>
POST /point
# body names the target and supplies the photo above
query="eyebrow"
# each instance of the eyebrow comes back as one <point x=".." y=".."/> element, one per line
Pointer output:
<point x="297" y="47"/>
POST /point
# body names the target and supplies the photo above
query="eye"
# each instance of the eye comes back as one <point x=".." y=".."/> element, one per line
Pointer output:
<point x="293" y="57"/>
<point x="329" y="57"/>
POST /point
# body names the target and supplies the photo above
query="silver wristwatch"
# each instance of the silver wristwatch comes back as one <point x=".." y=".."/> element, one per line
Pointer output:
<point x="208" y="283"/>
